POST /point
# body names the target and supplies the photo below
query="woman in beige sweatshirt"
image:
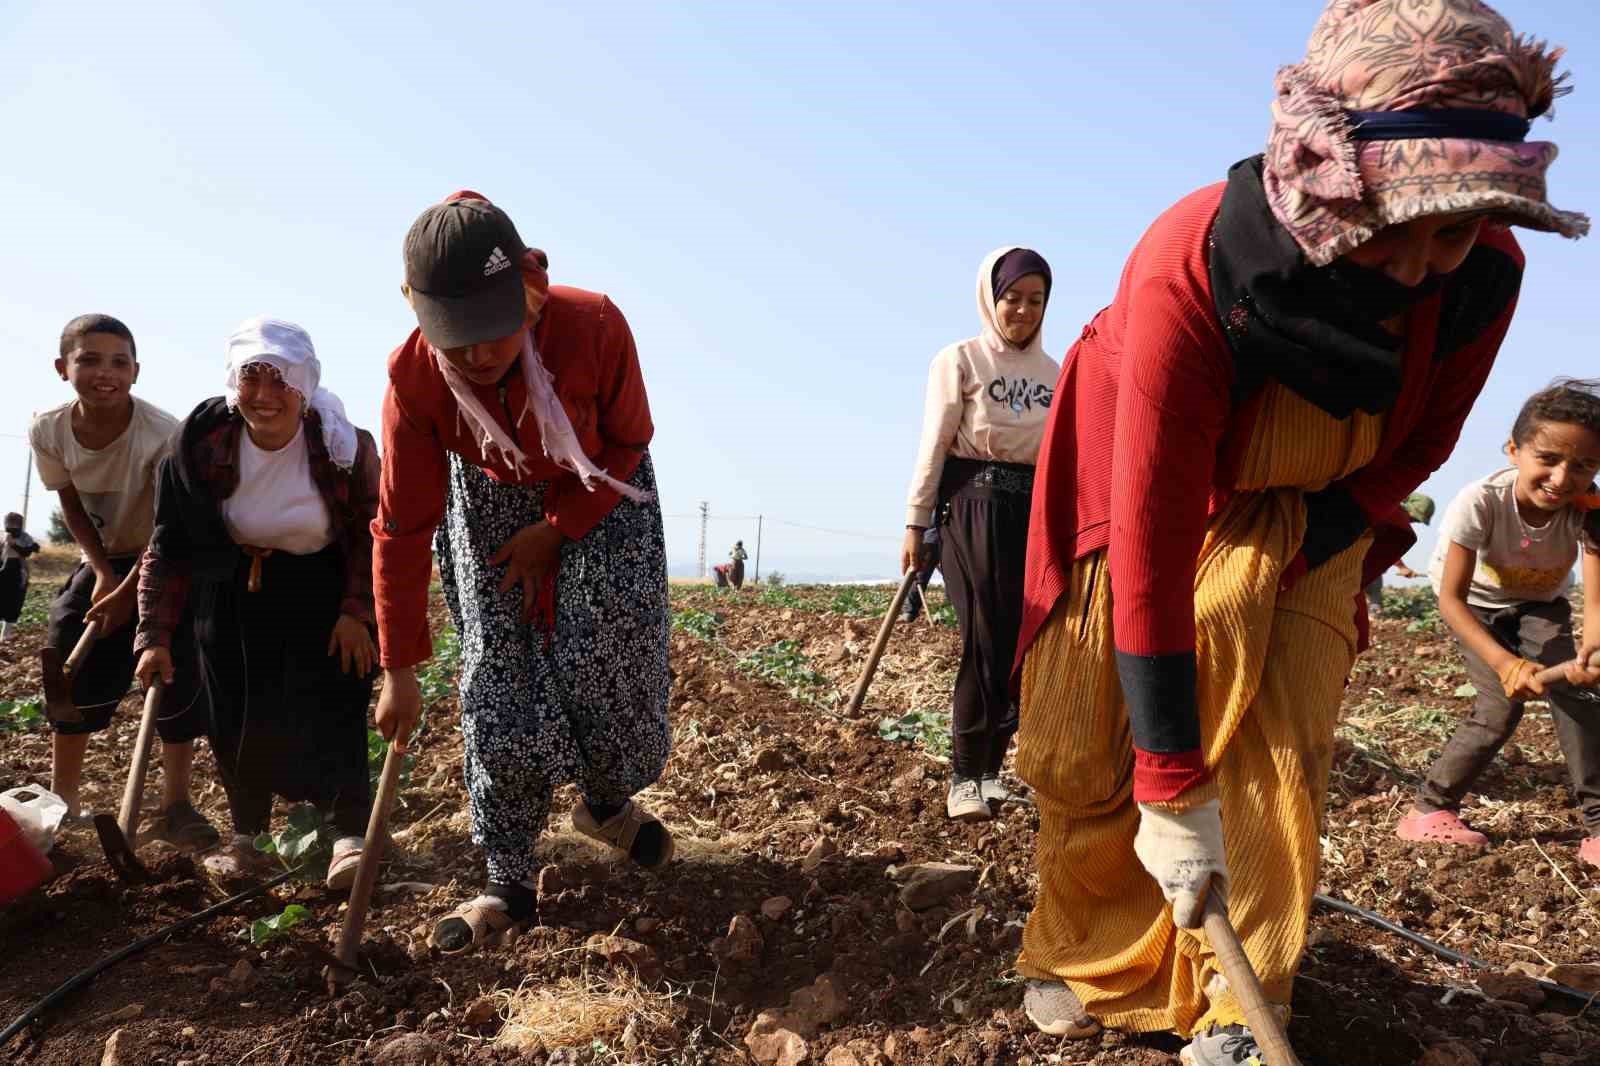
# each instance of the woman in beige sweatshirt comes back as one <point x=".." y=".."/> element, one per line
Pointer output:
<point x="985" y="412"/>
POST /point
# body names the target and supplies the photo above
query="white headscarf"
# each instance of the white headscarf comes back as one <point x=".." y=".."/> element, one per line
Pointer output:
<point x="555" y="429"/>
<point x="286" y="348"/>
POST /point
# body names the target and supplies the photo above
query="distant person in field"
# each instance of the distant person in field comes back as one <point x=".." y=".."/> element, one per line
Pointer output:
<point x="99" y="454"/>
<point x="1419" y="509"/>
<point x="720" y="575"/>
<point x="1289" y="354"/>
<point x="1502" y="569"/>
<point x="736" y="560"/>
<point x="983" y="417"/>
<point x="516" y="423"/>
<point x="14" y="551"/>
<point x="261" y="557"/>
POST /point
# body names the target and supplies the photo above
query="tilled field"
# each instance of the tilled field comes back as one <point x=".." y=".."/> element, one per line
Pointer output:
<point x="780" y="934"/>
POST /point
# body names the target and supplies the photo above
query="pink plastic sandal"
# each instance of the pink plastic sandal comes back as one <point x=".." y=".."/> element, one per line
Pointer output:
<point x="1589" y="851"/>
<point x="1440" y="827"/>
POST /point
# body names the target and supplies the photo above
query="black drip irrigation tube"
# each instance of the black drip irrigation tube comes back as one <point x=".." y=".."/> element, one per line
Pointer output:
<point x="83" y="977"/>
<point x="1371" y="918"/>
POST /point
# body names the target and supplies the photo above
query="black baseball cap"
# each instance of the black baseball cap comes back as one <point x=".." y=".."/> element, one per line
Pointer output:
<point x="463" y="261"/>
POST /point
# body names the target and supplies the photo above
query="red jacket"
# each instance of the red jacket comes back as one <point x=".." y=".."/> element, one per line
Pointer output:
<point x="586" y="344"/>
<point x="1144" y="405"/>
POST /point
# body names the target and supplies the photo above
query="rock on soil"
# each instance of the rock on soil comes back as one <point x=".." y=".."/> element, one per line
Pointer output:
<point x="1515" y="987"/>
<point x="1585" y="977"/>
<point x="772" y="1041"/>
<point x="409" y="1049"/>
<point x="617" y="949"/>
<point x="122" y="1049"/>
<point x="775" y="908"/>
<point x="743" y="942"/>
<point x="928" y="884"/>
<point x="823" y="850"/>
<point x="1454" y="1053"/>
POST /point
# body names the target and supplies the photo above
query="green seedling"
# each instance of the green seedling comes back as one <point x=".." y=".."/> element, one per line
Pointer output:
<point x="21" y="716"/>
<point x="931" y="729"/>
<point x="697" y="621"/>
<point x="786" y="666"/>
<point x="305" y="839"/>
<point x="266" y="930"/>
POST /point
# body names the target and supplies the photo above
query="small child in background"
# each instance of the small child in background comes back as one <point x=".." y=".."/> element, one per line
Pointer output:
<point x="1502" y="570"/>
<point x="14" y="551"/>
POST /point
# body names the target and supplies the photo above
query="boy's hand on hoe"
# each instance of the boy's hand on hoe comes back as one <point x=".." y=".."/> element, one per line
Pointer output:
<point x="352" y="643"/>
<point x="399" y="707"/>
<point x="115" y="602"/>
<point x="1579" y="675"/>
<point x="154" y="663"/>
<point x="1519" y="679"/>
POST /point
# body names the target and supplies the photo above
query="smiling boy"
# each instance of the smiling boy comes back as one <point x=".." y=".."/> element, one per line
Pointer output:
<point x="99" y="454"/>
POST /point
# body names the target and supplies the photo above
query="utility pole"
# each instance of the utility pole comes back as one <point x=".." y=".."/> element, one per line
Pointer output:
<point x="758" y="549"/>
<point x="27" y="484"/>
<point x="705" y="515"/>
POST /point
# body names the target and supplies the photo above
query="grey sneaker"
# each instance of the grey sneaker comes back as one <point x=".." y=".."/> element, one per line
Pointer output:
<point x="1226" y="1045"/>
<point x="995" y="791"/>
<point x="1054" y="1009"/>
<point x="965" y="800"/>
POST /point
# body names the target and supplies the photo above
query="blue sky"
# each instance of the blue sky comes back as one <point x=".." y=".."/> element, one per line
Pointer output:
<point x="789" y="203"/>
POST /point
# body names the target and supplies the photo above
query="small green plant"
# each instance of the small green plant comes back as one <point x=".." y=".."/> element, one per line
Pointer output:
<point x="697" y="621"/>
<point x="266" y="930"/>
<point x="21" y="716"/>
<point x="943" y="614"/>
<point x="438" y="679"/>
<point x="931" y="729"/>
<point x="778" y="596"/>
<point x="377" y="752"/>
<point x="305" y="841"/>
<point x="859" y="600"/>
<point x="1467" y="691"/>
<point x="1418" y="605"/>
<point x="786" y="666"/>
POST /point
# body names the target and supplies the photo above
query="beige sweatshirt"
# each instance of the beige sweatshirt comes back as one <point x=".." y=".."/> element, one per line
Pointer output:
<point x="987" y="399"/>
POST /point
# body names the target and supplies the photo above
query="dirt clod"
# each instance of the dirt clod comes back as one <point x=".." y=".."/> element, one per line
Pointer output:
<point x="928" y="884"/>
<point x="409" y="1049"/>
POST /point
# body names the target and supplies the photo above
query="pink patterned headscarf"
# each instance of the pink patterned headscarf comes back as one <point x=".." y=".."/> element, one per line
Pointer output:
<point x="1333" y="191"/>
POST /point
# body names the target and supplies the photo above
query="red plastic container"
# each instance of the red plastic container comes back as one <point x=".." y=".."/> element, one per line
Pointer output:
<point x="22" y="868"/>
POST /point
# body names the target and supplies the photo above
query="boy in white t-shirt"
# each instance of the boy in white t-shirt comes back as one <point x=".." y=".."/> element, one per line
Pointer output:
<point x="1502" y="569"/>
<point x="99" y="454"/>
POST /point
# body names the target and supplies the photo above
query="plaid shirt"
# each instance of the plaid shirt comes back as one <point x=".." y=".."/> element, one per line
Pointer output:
<point x="351" y="496"/>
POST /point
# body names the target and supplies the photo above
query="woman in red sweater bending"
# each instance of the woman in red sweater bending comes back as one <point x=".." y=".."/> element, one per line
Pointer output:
<point x="1289" y="354"/>
<point x="516" y="425"/>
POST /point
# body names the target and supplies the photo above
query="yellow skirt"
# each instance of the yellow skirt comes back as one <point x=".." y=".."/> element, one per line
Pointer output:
<point x="1272" y="668"/>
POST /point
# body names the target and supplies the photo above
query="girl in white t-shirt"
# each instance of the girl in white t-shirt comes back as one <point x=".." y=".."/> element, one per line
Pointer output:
<point x="1502" y="569"/>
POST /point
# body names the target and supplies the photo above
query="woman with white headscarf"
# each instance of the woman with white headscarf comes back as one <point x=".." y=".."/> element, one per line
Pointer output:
<point x="262" y="531"/>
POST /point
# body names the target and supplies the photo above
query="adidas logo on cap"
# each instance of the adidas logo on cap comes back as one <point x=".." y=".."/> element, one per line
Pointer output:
<point x="496" y="262"/>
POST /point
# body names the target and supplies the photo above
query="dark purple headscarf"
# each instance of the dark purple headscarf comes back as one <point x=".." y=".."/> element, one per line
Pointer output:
<point x="1016" y="264"/>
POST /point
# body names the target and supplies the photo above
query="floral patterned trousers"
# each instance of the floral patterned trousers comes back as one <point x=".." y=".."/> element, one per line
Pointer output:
<point x="585" y="703"/>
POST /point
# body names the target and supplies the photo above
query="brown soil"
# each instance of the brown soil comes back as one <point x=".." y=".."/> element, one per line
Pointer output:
<point x="757" y="777"/>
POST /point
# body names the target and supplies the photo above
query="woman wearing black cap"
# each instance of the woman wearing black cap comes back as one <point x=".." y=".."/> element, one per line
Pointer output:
<point x="983" y="420"/>
<point x="516" y="424"/>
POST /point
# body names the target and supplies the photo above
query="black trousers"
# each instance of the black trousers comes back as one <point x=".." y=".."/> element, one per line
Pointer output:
<point x="984" y="535"/>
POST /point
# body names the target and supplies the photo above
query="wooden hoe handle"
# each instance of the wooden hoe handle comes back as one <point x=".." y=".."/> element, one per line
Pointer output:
<point x="882" y="641"/>
<point x="1552" y="675"/>
<point x="355" y="916"/>
<point x="1246" y="987"/>
<point x="133" y="793"/>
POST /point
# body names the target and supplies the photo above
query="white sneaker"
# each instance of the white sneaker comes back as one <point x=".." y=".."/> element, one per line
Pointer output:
<point x="965" y="800"/>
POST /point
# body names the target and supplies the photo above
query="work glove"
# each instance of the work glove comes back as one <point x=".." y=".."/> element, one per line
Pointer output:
<point x="1183" y="851"/>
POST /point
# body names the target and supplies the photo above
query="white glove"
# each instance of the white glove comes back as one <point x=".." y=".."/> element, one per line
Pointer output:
<point x="1183" y="852"/>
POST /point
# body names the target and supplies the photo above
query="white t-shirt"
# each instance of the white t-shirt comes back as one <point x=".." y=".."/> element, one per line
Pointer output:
<point x="117" y="483"/>
<point x="1517" y="563"/>
<point x="277" y="505"/>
